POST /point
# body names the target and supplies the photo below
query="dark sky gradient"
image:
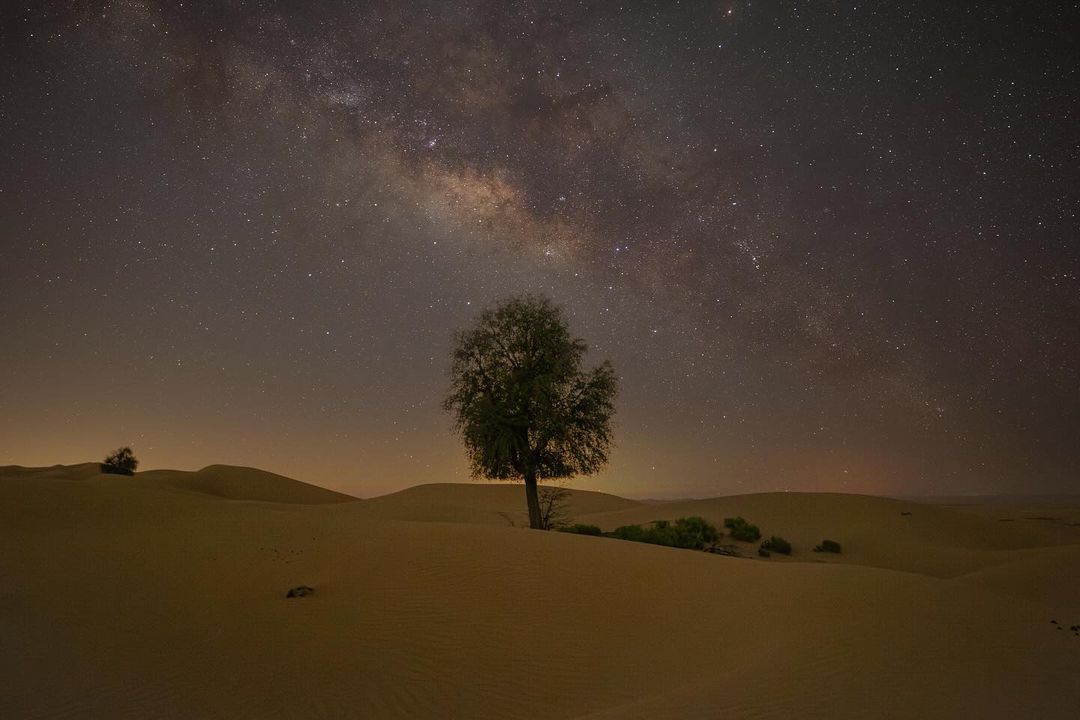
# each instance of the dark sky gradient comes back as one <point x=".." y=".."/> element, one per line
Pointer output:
<point x="827" y="246"/>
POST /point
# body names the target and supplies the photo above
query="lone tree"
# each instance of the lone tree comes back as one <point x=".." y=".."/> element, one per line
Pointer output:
<point x="522" y="402"/>
<point x="120" y="462"/>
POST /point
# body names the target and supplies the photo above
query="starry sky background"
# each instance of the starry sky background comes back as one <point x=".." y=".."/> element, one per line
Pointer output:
<point x="827" y="246"/>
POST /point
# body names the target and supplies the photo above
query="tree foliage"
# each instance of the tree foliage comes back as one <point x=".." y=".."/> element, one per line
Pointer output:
<point x="121" y="461"/>
<point x="522" y="402"/>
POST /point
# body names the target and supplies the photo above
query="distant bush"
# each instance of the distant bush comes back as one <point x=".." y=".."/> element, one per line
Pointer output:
<point x="579" y="529"/>
<point x="687" y="532"/>
<point x="777" y="544"/>
<point x="828" y="546"/>
<point x="742" y="530"/>
<point x="694" y="532"/>
<point x="120" y="462"/>
<point x="763" y="552"/>
<point x="633" y="533"/>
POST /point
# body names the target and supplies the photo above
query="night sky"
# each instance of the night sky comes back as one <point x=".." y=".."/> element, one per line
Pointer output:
<point x="827" y="246"/>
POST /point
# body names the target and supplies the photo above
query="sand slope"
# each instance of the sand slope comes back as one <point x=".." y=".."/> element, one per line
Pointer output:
<point x="240" y="483"/>
<point x="73" y="473"/>
<point x="487" y="503"/>
<point x="223" y="481"/>
<point x="127" y="599"/>
<point x="875" y="531"/>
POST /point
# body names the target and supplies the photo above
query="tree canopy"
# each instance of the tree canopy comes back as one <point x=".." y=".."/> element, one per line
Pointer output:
<point x="522" y="402"/>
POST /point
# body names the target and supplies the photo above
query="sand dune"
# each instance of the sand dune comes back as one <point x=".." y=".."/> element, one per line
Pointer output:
<point x="224" y="481"/>
<point x="83" y="471"/>
<point x="240" y="483"/>
<point x="875" y="531"/>
<point x="135" y="597"/>
<point x="486" y="503"/>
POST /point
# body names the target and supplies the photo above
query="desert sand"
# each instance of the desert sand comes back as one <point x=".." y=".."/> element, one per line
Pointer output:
<point x="163" y="595"/>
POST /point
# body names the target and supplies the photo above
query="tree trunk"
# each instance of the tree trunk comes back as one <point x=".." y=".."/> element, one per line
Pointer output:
<point x="536" y="520"/>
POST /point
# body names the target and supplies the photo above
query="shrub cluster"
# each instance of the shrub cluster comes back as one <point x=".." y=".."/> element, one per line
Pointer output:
<point x="742" y="530"/>
<point x="636" y="533"/>
<point x="776" y="544"/>
<point x="579" y="529"/>
<point x="828" y="546"/>
<point x="687" y="532"/>
<point x="694" y="532"/>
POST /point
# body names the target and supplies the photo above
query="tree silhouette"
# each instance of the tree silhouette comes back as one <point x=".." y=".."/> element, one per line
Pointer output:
<point x="120" y="462"/>
<point x="522" y="403"/>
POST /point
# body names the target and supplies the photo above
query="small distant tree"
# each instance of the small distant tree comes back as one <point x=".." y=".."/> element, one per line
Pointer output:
<point x="522" y="402"/>
<point x="121" y="461"/>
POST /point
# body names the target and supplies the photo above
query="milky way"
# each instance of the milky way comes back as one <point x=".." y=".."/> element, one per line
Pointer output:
<point x="826" y="246"/>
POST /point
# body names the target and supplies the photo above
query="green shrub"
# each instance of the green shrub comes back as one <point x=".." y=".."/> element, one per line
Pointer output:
<point x="694" y="532"/>
<point x="579" y="529"/>
<point x="633" y="533"/>
<point x="742" y="530"/>
<point x="689" y="532"/>
<point x="828" y="546"/>
<point x="777" y="544"/>
<point x="746" y="533"/>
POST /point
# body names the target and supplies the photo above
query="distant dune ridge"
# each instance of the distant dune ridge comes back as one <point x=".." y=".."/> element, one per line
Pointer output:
<point x="241" y="483"/>
<point x="493" y="503"/>
<point x="224" y="481"/>
<point x="163" y="595"/>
